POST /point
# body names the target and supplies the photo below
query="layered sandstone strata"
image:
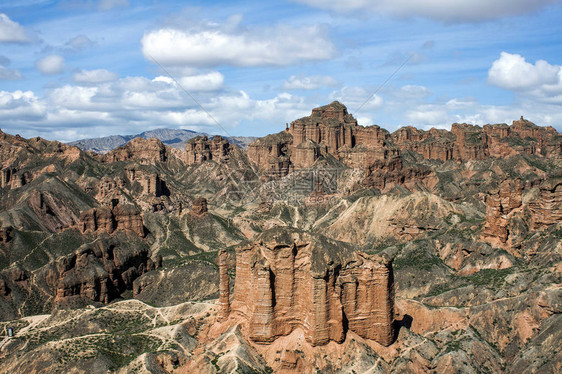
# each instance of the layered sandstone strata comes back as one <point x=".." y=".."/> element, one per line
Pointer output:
<point x="145" y="151"/>
<point x="110" y="219"/>
<point x="99" y="271"/>
<point x="201" y="149"/>
<point x="288" y="279"/>
<point x="547" y="208"/>
<point x="330" y="129"/>
<point x="499" y="203"/>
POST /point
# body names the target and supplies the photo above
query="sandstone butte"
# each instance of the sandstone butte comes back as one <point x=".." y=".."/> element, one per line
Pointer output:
<point x="288" y="279"/>
<point x="331" y="130"/>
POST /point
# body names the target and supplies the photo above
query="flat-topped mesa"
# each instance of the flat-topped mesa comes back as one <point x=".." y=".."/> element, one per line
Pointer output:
<point x="201" y="148"/>
<point x="145" y="151"/>
<point x="288" y="279"/>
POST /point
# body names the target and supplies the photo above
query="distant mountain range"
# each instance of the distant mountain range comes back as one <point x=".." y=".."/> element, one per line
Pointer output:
<point x="170" y="137"/>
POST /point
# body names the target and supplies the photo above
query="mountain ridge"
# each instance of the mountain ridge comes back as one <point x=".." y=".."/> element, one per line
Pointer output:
<point x="176" y="138"/>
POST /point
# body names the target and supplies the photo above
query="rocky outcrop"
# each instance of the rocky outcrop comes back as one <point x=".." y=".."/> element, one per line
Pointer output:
<point x="288" y="279"/>
<point x="199" y="206"/>
<point x="5" y="234"/>
<point x="108" y="219"/>
<point x="52" y="211"/>
<point x="97" y="272"/>
<point x="201" y="148"/>
<point x="499" y="204"/>
<point x="546" y="209"/>
<point x="150" y="182"/>
<point x="145" y="151"/>
<point x="224" y="286"/>
<point x="272" y="154"/>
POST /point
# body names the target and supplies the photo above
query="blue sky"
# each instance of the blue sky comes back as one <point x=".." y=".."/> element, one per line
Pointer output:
<point x="84" y="68"/>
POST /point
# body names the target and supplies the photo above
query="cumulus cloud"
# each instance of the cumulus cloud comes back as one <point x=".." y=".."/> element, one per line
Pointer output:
<point x="440" y="10"/>
<point x="11" y="32"/>
<point x="314" y="82"/>
<point x="513" y="72"/>
<point x="539" y="81"/>
<point x="94" y="76"/>
<point x="210" y="44"/>
<point x="20" y="106"/>
<point x="50" y="65"/>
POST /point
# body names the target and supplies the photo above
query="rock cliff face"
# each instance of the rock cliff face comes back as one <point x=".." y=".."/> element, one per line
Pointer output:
<point x="330" y="129"/>
<point x="108" y="219"/>
<point x="499" y="203"/>
<point x="201" y="149"/>
<point x="145" y="151"/>
<point x="100" y="272"/>
<point x="547" y="208"/>
<point x="290" y="279"/>
<point x="272" y="154"/>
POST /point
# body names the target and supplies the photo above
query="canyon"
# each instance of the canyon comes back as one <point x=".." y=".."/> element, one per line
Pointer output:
<point x="328" y="246"/>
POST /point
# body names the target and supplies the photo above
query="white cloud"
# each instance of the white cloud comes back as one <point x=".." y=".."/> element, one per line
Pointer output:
<point x="512" y="72"/>
<point x="300" y="82"/>
<point x="210" y="45"/>
<point x="203" y="82"/>
<point x="94" y="76"/>
<point x="110" y="4"/>
<point x="19" y="106"/>
<point x="50" y="65"/>
<point x="540" y="81"/>
<point x="440" y="10"/>
<point x="11" y="32"/>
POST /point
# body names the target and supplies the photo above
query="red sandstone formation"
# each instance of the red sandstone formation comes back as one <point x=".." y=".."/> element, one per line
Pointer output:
<point x="224" y="286"/>
<point x="547" y="208"/>
<point x="290" y="279"/>
<point x="199" y="206"/>
<point x="331" y="129"/>
<point x="201" y="149"/>
<point x="150" y="182"/>
<point x="100" y="271"/>
<point x="53" y="213"/>
<point x="107" y="219"/>
<point x="272" y="154"/>
<point x="145" y="151"/>
<point x="499" y="203"/>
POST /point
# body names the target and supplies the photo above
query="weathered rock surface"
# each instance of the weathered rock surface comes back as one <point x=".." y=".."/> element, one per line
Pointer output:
<point x="297" y="280"/>
<point x="199" y="206"/>
<point x="145" y="151"/>
<point x="97" y="272"/>
<point x="201" y="148"/>
<point x="107" y="219"/>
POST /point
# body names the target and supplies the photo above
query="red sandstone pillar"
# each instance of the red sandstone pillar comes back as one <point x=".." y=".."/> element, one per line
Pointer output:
<point x="224" y="287"/>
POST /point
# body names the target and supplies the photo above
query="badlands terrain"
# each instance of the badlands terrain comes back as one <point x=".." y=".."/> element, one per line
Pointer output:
<point x="328" y="247"/>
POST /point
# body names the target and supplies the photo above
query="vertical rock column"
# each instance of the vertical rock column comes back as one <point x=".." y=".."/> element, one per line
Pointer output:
<point x="261" y="320"/>
<point x="224" y="287"/>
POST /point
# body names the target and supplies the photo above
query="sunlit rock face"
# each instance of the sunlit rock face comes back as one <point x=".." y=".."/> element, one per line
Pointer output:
<point x="288" y="279"/>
